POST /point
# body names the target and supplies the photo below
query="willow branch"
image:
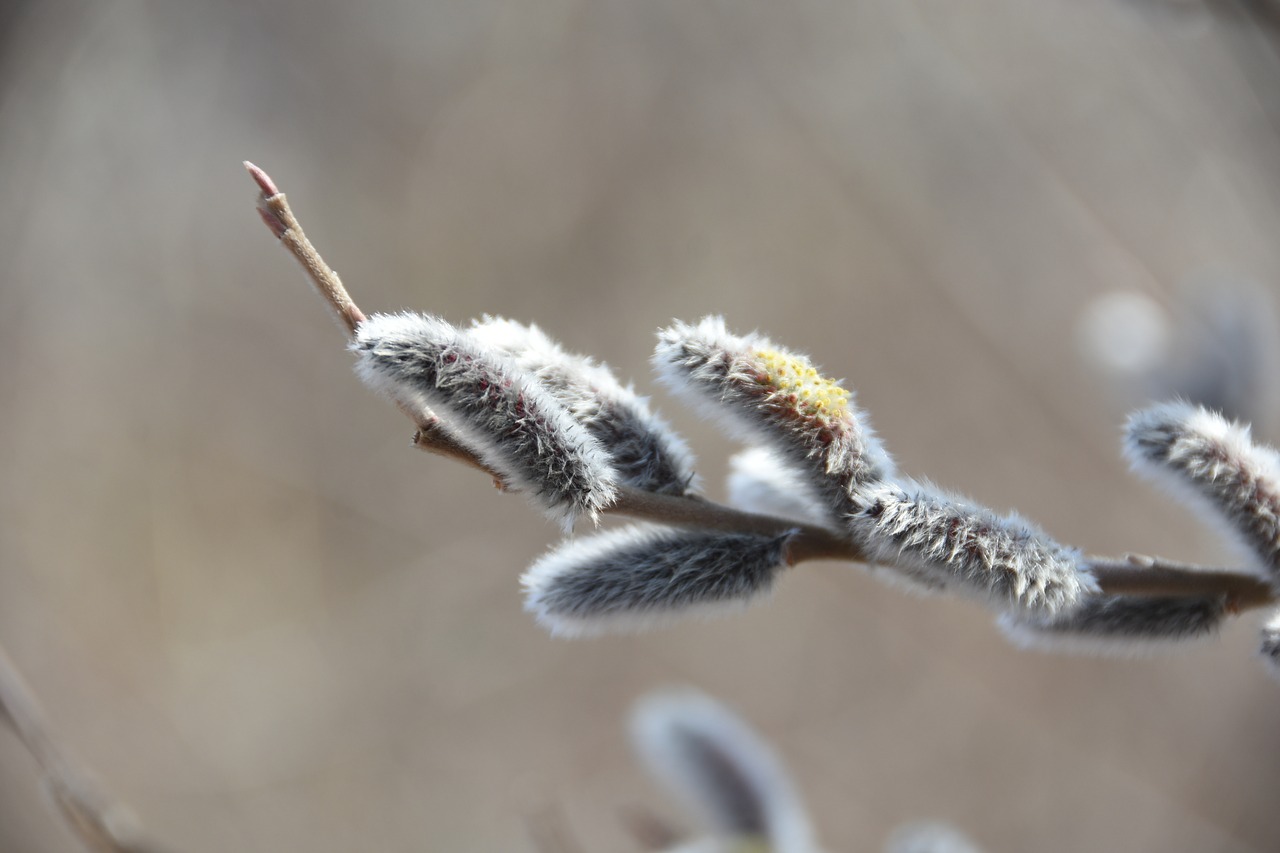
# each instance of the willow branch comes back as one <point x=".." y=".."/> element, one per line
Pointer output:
<point x="274" y="209"/>
<point x="101" y="823"/>
<point x="1131" y="575"/>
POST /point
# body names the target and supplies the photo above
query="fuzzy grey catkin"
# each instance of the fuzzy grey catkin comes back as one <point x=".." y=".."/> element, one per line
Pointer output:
<point x="712" y="761"/>
<point x="766" y="394"/>
<point x="633" y="577"/>
<point x="760" y="482"/>
<point x="1204" y="457"/>
<point x="508" y="419"/>
<point x="942" y="541"/>
<point x="647" y="453"/>
<point x="1120" y="625"/>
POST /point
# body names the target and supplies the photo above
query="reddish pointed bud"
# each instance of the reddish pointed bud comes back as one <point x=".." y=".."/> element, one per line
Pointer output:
<point x="262" y="179"/>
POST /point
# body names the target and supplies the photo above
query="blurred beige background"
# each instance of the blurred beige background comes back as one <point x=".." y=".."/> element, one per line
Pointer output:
<point x="273" y="626"/>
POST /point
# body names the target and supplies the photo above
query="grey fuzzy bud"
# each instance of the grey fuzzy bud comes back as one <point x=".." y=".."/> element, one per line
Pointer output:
<point x="1214" y="462"/>
<point x="647" y="453"/>
<point x="514" y="425"/>
<point x="929" y="837"/>
<point x="940" y="540"/>
<point x="1120" y="625"/>
<point x="766" y="394"/>
<point x="710" y="759"/>
<point x="633" y="577"/>
<point x="1270" y="646"/>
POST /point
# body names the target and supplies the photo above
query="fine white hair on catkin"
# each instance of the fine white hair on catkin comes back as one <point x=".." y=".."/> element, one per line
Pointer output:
<point x="1118" y="626"/>
<point x="767" y="395"/>
<point x="515" y="426"/>
<point x="760" y="482"/>
<point x="1213" y="464"/>
<point x="643" y="575"/>
<point x="938" y="539"/>
<point x="647" y="453"/>
<point x="711" y="760"/>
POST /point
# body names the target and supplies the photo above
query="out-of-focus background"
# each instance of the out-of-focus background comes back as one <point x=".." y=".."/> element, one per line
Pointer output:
<point x="271" y="625"/>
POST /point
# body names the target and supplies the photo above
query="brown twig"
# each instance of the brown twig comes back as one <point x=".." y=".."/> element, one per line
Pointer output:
<point x="275" y="212"/>
<point x="1133" y="575"/>
<point x="274" y="209"/>
<point x="102" y="824"/>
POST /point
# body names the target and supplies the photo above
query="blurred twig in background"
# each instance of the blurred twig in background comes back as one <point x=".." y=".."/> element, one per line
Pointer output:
<point x="100" y="822"/>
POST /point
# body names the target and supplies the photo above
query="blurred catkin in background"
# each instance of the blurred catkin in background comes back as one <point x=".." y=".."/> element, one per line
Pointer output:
<point x="272" y="625"/>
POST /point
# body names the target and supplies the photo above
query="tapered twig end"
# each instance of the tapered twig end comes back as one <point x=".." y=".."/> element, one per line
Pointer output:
<point x="262" y="179"/>
<point x="269" y="212"/>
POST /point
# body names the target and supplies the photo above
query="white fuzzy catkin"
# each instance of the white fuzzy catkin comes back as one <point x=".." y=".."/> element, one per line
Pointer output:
<point x="942" y="541"/>
<point x="1212" y="461"/>
<point x="642" y="575"/>
<point x="929" y="837"/>
<point x="766" y="394"/>
<point x="760" y="482"/>
<point x="1119" y="626"/>
<point x="1270" y="646"/>
<point x="710" y="759"/>
<point x="647" y="453"/>
<point x="514" y="425"/>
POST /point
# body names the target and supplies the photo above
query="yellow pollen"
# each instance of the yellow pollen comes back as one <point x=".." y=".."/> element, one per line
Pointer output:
<point x="796" y="380"/>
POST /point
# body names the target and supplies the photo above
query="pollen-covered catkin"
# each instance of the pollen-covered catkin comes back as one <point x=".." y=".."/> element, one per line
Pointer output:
<point x="1205" y="457"/>
<point x="942" y="541"/>
<point x="514" y="425"/>
<point x="710" y="759"/>
<point x="647" y="453"/>
<point x="769" y="395"/>
<point x="1120" y="625"/>
<point x="638" y="576"/>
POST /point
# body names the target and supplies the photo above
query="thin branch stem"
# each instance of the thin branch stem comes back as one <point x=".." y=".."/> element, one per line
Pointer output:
<point x="274" y="209"/>
<point x="275" y="212"/>
<point x="102" y="824"/>
<point x="1133" y="575"/>
<point x="1158" y="578"/>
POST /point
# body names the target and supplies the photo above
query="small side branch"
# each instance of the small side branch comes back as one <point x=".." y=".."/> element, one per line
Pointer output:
<point x="1141" y="576"/>
<point x="102" y="824"/>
